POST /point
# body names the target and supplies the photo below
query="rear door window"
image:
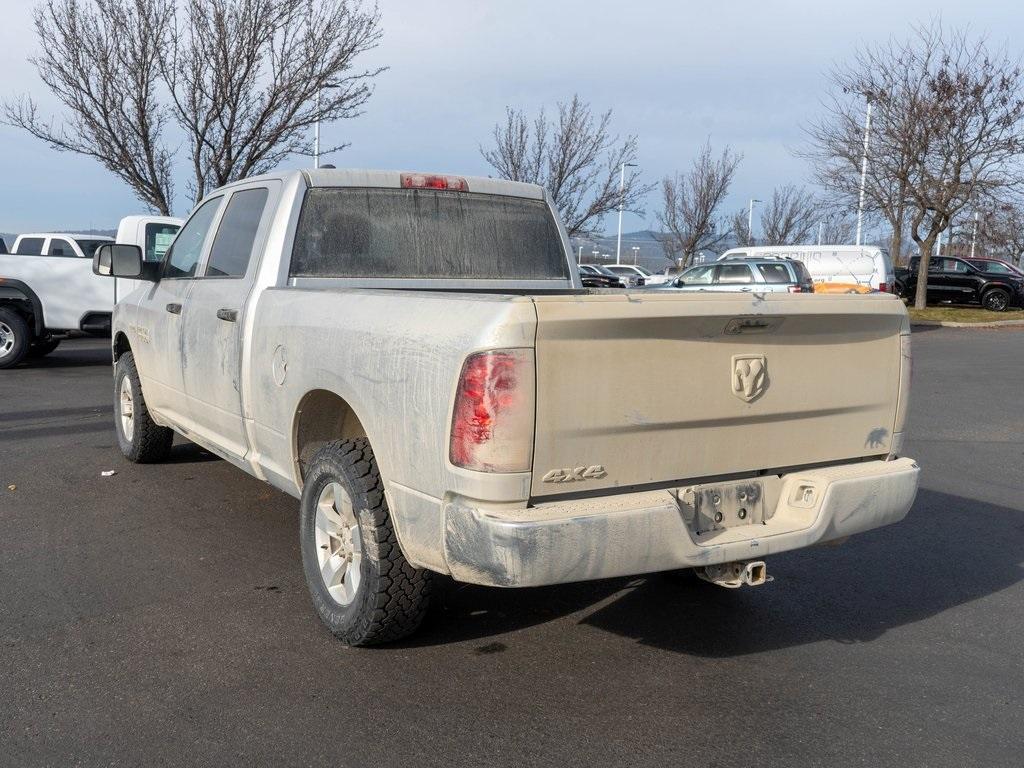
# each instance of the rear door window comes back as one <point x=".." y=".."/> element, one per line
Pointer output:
<point x="425" y="233"/>
<point x="60" y="247"/>
<point x="30" y="246"/>
<point x="232" y="247"/>
<point x="733" y="274"/>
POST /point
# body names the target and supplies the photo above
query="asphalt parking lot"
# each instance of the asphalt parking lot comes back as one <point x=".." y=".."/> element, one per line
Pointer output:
<point x="159" y="616"/>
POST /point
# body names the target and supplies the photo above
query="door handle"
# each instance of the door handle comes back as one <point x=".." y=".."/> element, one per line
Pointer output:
<point x="174" y="309"/>
<point x="231" y="315"/>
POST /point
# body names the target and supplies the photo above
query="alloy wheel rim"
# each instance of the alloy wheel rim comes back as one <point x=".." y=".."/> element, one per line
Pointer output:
<point x="126" y="408"/>
<point x="996" y="302"/>
<point x="7" y="339"/>
<point x="339" y="544"/>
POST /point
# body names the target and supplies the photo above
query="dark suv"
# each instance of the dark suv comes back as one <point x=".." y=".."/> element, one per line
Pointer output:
<point x="955" y="281"/>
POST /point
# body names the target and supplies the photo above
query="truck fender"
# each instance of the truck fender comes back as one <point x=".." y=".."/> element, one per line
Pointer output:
<point x="19" y="291"/>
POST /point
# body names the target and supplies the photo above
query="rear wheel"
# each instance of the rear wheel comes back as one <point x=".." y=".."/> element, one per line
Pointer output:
<point x="996" y="300"/>
<point x="140" y="438"/>
<point x="362" y="586"/>
<point x="14" y="338"/>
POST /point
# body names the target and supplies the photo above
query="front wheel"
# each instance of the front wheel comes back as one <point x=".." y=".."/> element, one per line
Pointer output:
<point x="140" y="439"/>
<point x="363" y="588"/>
<point x="14" y="338"/>
<point x="996" y="300"/>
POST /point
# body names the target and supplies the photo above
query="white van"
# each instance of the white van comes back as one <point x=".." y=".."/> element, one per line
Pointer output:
<point x="865" y="265"/>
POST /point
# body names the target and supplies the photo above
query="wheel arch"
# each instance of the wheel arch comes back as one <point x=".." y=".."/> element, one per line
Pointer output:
<point x="320" y="417"/>
<point x="120" y="345"/>
<point x="12" y="291"/>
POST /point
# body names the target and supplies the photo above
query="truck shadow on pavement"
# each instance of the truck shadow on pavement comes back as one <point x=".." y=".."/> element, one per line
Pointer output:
<point x="948" y="551"/>
<point x="73" y="353"/>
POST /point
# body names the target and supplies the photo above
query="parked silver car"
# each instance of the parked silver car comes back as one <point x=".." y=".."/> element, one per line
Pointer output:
<point x="761" y="276"/>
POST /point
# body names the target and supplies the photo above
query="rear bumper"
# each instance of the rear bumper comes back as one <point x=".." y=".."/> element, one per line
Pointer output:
<point x="646" y="532"/>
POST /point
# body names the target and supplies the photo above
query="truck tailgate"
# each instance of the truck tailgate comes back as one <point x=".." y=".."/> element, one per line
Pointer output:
<point x="636" y="389"/>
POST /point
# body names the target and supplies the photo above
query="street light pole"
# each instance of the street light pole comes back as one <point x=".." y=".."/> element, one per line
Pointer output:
<point x="636" y="252"/>
<point x="316" y="125"/>
<point x="316" y="132"/>
<point x="821" y="226"/>
<point x="750" y="221"/>
<point x="622" y="192"/>
<point x="863" y="173"/>
<point x="974" y="234"/>
<point x="579" y="259"/>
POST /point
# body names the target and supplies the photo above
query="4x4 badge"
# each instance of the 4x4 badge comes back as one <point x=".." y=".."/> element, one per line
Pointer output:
<point x="573" y="474"/>
<point x="749" y="376"/>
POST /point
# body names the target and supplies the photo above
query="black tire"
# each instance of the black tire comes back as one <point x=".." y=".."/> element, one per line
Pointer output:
<point x="390" y="596"/>
<point x="148" y="442"/>
<point x="899" y="289"/>
<point x="43" y="348"/>
<point x="14" y="338"/>
<point x="995" y="300"/>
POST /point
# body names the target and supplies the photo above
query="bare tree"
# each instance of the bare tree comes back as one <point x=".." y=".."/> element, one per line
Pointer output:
<point x="789" y="216"/>
<point x="240" y="78"/>
<point x="949" y="114"/>
<point x="836" y="150"/>
<point x="575" y="157"/>
<point x="836" y="226"/>
<point x="1000" y="232"/>
<point x="102" y="63"/>
<point x="690" y="204"/>
<point x="244" y="76"/>
<point x="739" y="227"/>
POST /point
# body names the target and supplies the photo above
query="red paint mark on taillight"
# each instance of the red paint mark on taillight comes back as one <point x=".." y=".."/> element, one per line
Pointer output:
<point x="487" y="386"/>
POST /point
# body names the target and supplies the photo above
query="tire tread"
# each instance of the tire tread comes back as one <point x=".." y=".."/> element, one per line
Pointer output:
<point x="400" y="593"/>
<point x="151" y="443"/>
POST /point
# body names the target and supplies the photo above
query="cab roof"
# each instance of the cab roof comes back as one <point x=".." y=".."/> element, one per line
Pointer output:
<point x="353" y="177"/>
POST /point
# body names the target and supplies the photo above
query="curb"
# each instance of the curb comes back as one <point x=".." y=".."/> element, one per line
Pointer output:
<point x="951" y="324"/>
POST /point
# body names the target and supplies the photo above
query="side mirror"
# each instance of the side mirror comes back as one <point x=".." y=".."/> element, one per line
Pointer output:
<point x="679" y="282"/>
<point x="119" y="260"/>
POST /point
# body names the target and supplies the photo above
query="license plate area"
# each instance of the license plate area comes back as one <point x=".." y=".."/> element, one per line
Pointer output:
<point x="727" y="505"/>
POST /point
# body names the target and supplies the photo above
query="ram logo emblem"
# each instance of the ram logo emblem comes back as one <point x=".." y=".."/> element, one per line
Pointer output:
<point x="574" y="474"/>
<point x="749" y="376"/>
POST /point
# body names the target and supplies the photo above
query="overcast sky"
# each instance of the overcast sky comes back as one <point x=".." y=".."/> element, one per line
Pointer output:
<point x="743" y="73"/>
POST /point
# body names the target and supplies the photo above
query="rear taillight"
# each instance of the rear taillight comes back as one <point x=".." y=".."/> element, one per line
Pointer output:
<point x="492" y="423"/>
<point x="883" y="287"/>
<point x="434" y="181"/>
<point x="794" y="289"/>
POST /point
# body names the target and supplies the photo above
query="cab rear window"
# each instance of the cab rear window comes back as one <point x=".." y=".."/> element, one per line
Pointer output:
<point x="425" y="233"/>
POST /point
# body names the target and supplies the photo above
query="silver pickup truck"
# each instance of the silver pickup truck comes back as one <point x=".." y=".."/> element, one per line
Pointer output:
<point x="413" y="356"/>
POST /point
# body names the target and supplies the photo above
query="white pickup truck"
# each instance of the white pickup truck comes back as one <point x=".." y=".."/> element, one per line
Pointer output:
<point x="48" y="290"/>
<point x="413" y="356"/>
